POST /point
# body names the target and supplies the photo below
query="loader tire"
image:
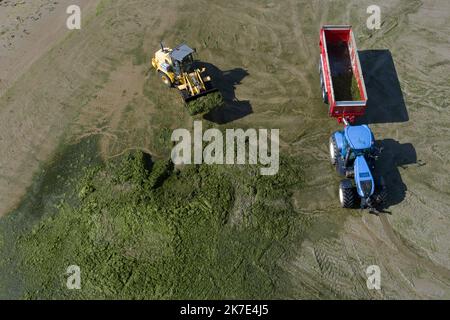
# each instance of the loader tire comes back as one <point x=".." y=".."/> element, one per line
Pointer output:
<point x="347" y="194"/>
<point x="334" y="151"/>
<point x="165" y="79"/>
<point x="184" y="96"/>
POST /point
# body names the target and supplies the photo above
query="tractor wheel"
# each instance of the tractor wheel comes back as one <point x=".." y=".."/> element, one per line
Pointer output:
<point x="165" y="79"/>
<point x="184" y="95"/>
<point x="334" y="151"/>
<point x="347" y="194"/>
<point x="382" y="197"/>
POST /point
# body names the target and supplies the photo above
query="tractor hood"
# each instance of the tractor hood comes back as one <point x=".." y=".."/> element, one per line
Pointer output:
<point x="359" y="137"/>
<point x="363" y="178"/>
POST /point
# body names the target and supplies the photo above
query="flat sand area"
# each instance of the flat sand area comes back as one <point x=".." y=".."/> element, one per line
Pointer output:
<point x="28" y="30"/>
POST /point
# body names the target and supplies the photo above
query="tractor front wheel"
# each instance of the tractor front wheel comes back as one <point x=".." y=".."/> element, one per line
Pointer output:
<point x="165" y="79"/>
<point x="382" y="197"/>
<point x="347" y="194"/>
<point x="381" y="193"/>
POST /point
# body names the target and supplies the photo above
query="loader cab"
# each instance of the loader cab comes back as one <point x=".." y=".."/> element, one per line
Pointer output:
<point x="182" y="59"/>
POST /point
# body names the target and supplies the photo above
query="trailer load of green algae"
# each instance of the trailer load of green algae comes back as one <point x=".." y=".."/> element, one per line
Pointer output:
<point x="345" y="84"/>
<point x="346" y="87"/>
<point x="142" y="229"/>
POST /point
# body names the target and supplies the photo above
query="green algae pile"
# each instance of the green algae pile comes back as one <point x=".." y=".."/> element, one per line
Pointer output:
<point x="143" y="229"/>
<point x="205" y="104"/>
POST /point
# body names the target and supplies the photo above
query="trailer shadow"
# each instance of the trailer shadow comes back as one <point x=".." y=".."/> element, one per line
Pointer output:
<point x="395" y="156"/>
<point x="226" y="82"/>
<point x="386" y="103"/>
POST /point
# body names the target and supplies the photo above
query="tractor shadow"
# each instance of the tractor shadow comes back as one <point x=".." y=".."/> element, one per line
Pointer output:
<point x="226" y="82"/>
<point x="386" y="103"/>
<point x="395" y="156"/>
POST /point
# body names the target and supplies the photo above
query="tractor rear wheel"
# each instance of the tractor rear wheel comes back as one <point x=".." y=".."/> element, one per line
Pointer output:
<point x="165" y="79"/>
<point x="334" y="151"/>
<point x="347" y="194"/>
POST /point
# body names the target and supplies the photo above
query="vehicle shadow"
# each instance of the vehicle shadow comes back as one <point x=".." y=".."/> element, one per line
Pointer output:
<point x="386" y="103"/>
<point x="226" y="82"/>
<point x="394" y="156"/>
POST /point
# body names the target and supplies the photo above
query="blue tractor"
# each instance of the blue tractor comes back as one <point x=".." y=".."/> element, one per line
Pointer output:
<point x="353" y="152"/>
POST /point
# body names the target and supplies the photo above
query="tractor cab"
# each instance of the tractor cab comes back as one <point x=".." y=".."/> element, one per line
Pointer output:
<point x="357" y="141"/>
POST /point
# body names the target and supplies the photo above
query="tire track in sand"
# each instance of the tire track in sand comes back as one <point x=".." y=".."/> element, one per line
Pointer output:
<point x="408" y="252"/>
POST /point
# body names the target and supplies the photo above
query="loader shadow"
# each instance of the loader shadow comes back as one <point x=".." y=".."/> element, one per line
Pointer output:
<point x="226" y="82"/>
<point x="386" y="103"/>
<point x="395" y="157"/>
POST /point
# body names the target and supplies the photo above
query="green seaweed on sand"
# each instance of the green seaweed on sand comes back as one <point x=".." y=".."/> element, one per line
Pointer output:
<point x="145" y="230"/>
<point x="346" y="87"/>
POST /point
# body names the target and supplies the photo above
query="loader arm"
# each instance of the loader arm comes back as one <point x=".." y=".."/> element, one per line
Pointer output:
<point x="189" y="84"/>
<point x="199" y="76"/>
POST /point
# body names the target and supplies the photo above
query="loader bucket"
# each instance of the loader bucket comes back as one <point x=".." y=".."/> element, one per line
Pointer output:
<point x="205" y="102"/>
<point x="204" y="93"/>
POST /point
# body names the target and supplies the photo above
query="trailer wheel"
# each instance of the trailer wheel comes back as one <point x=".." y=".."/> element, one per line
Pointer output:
<point x="322" y="85"/>
<point x="324" y="95"/>
<point x="347" y="194"/>
<point x="165" y="79"/>
<point x="334" y="151"/>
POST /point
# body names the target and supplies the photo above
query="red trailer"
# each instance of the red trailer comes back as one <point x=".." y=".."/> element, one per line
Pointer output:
<point x="342" y="81"/>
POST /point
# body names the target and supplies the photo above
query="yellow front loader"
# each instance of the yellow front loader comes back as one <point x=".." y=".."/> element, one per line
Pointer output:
<point x="176" y="69"/>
